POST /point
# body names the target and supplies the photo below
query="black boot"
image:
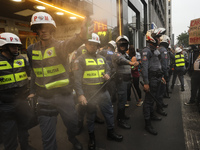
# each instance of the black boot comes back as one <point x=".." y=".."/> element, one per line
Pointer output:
<point x="76" y="144"/>
<point x="164" y="105"/>
<point x="123" y="124"/>
<point x="121" y="115"/>
<point x="149" y="128"/>
<point x="111" y="135"/>
<point x="155" y="118"/>
<point x="92" y="142"/>
<point x="161" y="112"/>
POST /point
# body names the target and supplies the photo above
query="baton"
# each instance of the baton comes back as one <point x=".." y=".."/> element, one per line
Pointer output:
<point x="101" y="87"/>
<point x="155" y="99"/>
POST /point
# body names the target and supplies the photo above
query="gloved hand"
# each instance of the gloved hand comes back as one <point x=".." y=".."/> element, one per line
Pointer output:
<point x="32" y="101"/>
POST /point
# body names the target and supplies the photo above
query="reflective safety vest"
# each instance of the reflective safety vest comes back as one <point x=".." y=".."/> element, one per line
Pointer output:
<point x="179" y="60"/>
<point x="14" y="75"/>
<point x="48" y="68"/>
<point x="93" y="74"/>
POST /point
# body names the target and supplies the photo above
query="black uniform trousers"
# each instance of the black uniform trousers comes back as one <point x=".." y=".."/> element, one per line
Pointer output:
<point x="15" y="117"/>
<point x="195" y="85"/>
<point x="154" y="85"/>
<point x="179" y="71"/>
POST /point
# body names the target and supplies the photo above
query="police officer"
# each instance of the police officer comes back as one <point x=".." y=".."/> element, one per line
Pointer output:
<point x="164" y="44"/>
<point x="152" y="75"/>
<point x="121" y="62"/>
<point x="194" y="71"/>
<point x="50" y="79"/>
<point x="179" y="69"/>
<point x="107" y="53"/>
<point x="14" y="109"/>
<point x="91" y="71"/>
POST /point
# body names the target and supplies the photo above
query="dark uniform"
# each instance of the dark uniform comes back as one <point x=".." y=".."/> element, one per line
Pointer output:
<point x="195" y="74"/>
<point x="51" y="82"/>
<point x="111" y="87"/>
<point x="15" y="112"/>
<point x="164" y="65"/>
<point x="123" y="79"/>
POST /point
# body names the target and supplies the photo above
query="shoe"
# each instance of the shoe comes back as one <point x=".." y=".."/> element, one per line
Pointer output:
<point x="123" y="124"/>
<point x="155" y="118"/>
<point x="164" y="105"/>
<point x="126" y="117"/>
<point x="189" y="103"/>
<point x="139" y="103"/>
<point x="92" y="142"/>
<point x="111" y="135"/>
<point x="161" y="112"/>
<point x="99" y="120"/>
<point x="76" y="144"/>
<point x="182" y="89"/>
<point x="127" y="105"/>
<point x="149" y="128"/>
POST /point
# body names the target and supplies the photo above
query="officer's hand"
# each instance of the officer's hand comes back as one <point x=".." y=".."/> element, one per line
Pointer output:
<point x="31" y="101"/>
<point x="106" y="77"/>
<point x="163" y="80"/>
<point x="146" y="88"/>
<point x="87" y="28"/>
<point x="136" y="64"/>
<point x="82" y="100"/>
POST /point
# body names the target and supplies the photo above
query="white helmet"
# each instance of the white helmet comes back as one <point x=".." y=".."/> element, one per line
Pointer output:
<point x="95" y="38"/>
<point x="164" y="39"/>
<point x="42" y="18"/>
<point x="153" y="33"/>
<point x="178" y="50"/>
<point x="9" y="38"/>
<point x="113" y="43"/>
<point x="119" y="38"/>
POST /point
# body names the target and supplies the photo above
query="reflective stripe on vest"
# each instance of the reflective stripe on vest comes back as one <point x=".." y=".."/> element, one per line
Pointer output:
<point x="91" y="76"/>
<point x="55" y="84"/>
<point x="179" y="60"/>
<point x="49" y="71"/>
<point x="45" y="72"/>
<point x="16" y="77"/>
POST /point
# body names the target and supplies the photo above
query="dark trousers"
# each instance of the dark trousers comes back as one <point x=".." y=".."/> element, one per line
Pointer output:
<point x="15" y="119"/>
<point x="195" y="85"/>
<point x="154" y="85"/>
<point x="179" y="71"/>
<point x="66" y="107"/>
<point x="102" y="99"/>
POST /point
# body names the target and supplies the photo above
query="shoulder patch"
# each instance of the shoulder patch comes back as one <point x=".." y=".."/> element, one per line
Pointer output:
<point x="110" y="53"/>
<point x="144" y="58"/>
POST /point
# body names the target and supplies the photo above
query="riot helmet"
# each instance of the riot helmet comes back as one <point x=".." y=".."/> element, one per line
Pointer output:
<point x="40" y="18"/>
<point x="9" y="39"/>
<point x="112" y="45"/>
<point x="122" y="41"/>
<point x="178" y="50"/>
<point x="153" y="34"/>
<point x="165" y="41"/>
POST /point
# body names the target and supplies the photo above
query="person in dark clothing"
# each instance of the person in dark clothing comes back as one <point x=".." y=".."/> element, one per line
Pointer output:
<point x="121" y="62"/>
<point x="51" y="81"/>
<point x="91" y="71"/>
<point x="152" y="76"/>
<point x="15" y="114"/>
<point x="194" y="72"/>
<point x="107" y="53"/>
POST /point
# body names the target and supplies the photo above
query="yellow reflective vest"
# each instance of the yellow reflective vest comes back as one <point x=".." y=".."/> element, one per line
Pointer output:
<point x="13" y="75"/>
<point x="94" y="71"/>
<point x="49" y="69"/>
<point x="179" y="60"/>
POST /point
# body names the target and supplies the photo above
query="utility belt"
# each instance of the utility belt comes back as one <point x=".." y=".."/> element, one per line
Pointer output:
<point x="46" y="110"/>
<point x="42" y="92"/>
<point x="156" y="74"/>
